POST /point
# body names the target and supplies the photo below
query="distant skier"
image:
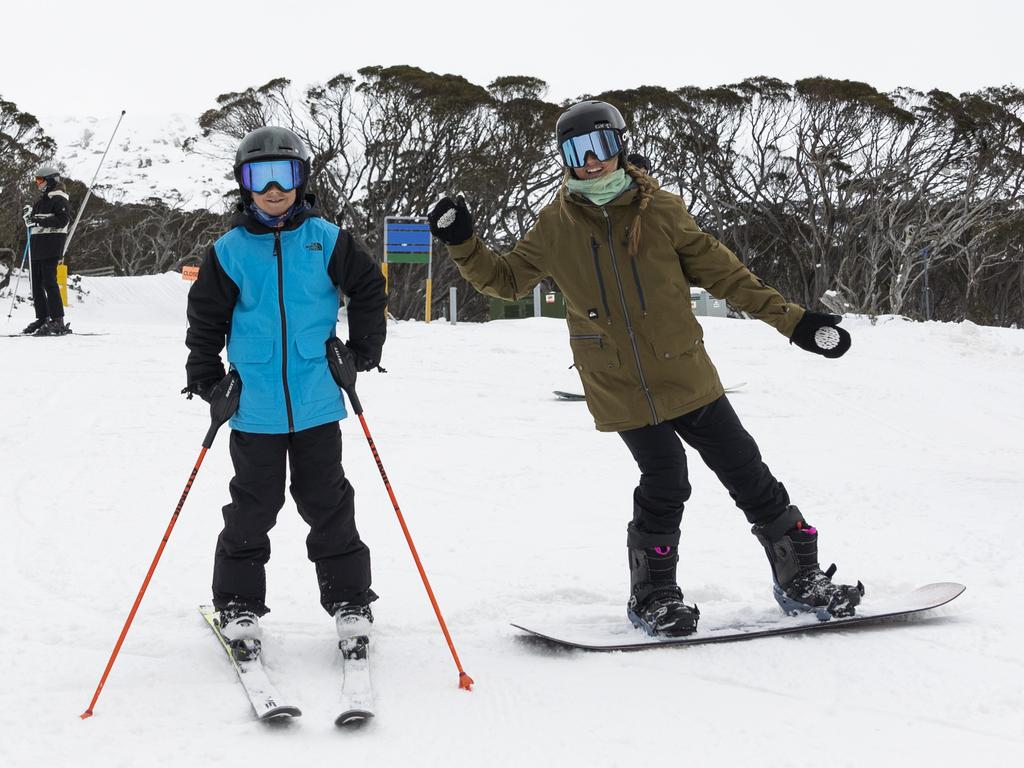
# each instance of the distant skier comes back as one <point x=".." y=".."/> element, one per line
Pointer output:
<point x="48" y="222"/>
<point x="625" y="254"/>
<point x="270" y="288"/>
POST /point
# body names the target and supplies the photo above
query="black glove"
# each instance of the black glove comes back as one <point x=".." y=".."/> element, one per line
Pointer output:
<point x="451" y="221"/>
<point x="203" y="389"/>
<point x="819" y="333"/>
<point x="364" y="359"/>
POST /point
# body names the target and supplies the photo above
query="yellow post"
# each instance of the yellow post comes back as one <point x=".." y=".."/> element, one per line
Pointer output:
<point x="430" y="288"/>
<point x="384" y="269"/>
<point x="62" y="282"/>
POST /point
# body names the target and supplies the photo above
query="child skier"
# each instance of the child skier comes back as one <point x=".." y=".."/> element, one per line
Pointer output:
<point x="270" y="288"/>
<point x="625" y="254"/>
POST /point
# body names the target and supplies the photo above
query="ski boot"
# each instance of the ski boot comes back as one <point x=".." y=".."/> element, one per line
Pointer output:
<point x="800" y="585"/>
<point x="55" y="327"/>
<point x="656" y="602"/>
<point x="240" y="627"/>
<point x="353" y="620"/>
<point x="34" y="326"/>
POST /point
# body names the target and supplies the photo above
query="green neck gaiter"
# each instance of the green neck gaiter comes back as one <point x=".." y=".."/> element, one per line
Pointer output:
<point x="603" y="190"/>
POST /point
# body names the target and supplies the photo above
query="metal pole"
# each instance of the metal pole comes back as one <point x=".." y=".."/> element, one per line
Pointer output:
<point x="17" y="283"/>
<point x="927" y="288"/>
<point x="453" y="305"/>
<point x="88" y="194"/>
<point x="536" y="300"/>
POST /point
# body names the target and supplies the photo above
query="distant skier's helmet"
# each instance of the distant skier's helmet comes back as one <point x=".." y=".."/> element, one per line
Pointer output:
<point x="590" y="126"/>
<point x="47" y="172"/>
<point x="271" y="143"/>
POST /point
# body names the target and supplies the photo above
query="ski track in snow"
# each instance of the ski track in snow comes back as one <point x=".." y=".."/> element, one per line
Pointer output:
<point x="906" y="454"/>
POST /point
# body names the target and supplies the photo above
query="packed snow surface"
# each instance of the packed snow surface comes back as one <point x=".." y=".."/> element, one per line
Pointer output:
<point x="906" y="454"/>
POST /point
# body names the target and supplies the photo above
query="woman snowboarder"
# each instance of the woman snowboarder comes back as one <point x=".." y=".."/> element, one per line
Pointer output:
<point x="625" y="254"/>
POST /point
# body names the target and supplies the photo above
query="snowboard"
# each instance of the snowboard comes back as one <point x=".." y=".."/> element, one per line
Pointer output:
<point x="617" y="634"/>
<point x="579" y="396"/>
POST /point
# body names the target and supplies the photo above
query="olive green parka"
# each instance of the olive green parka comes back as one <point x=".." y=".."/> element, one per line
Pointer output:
<point x="637" y="346"/>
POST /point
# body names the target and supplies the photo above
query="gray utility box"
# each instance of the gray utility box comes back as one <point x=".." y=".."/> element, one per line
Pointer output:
<point x="703" y="303"/>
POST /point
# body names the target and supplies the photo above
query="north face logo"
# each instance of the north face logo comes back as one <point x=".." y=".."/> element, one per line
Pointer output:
<point x="314" y="247"/>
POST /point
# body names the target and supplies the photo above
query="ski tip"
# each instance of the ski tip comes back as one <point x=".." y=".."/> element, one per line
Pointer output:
<point x="281" y="715"/>
<point x="355" y="718"/>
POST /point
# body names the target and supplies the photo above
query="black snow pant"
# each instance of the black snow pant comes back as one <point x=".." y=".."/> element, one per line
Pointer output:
<point x="727" y="449"/>
<point x="325" y="500"/>
<point x="45" y="291"/>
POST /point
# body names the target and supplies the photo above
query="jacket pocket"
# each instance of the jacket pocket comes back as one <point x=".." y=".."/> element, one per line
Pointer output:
<point x="315" y="380"/>
<point x="593" y="353"/>
<point x="669" y="347"/>
<point x="252" y="357"/>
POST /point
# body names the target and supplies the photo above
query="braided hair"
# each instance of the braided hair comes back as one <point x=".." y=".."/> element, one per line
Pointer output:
<point x="646" y="187"/>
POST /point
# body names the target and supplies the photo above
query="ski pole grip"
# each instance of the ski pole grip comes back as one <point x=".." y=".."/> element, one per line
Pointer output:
<point x="223" y="404"/>
<point x="342" y="363"/>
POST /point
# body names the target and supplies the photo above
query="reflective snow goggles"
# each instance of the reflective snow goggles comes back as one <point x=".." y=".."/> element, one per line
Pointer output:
<point x="260" y="174"/>
<point x="604" y="143"/>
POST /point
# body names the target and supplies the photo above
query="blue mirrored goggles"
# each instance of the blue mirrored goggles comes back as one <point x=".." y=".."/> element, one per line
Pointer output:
<point x="258" y="175"/>
<point x="604" y="143"/>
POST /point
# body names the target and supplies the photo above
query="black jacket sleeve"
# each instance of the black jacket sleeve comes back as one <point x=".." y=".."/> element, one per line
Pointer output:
<point x="355" y="272"/>
<point x="211" y="300"/>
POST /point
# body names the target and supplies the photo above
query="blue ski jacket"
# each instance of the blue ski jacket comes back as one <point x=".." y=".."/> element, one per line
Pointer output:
<point x="273" y="295"/>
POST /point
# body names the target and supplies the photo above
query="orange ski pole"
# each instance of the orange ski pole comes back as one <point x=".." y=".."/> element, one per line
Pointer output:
<point x="342" y="366"/>
<point x="228" y="392"/>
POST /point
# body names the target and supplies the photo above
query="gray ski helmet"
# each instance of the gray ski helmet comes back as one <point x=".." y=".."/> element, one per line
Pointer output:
<point x="47" y="172"/>
<point x="272" y="142"/>
<point x="586" y="116"/>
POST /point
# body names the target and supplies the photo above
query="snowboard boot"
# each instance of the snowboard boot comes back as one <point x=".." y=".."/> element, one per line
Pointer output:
<point x="655" y="601"/>
<point x="353" y="620"/>
<point x="800" y="585"/>
<point x="34" y="326"/>
<point x="53" y="328"/>
<point x="240" y="627"/>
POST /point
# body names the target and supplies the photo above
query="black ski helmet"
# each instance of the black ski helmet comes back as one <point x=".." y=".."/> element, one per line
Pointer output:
<point x="586" y="116"/>
<point x="272" y="142"/>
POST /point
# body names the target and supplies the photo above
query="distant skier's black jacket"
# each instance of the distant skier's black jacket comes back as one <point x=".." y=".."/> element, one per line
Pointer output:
<point x="51" y="215"/>
<point x="213" y="296"/>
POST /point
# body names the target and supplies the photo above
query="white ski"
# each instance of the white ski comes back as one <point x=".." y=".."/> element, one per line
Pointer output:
<point x="356" y="691"/>
<point x="266" y="701"/>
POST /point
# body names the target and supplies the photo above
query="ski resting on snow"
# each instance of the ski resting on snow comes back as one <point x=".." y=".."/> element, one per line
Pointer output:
<point x="615" y="634"/>
<point x="356" y="691"/>
<point x="264" y="697"/>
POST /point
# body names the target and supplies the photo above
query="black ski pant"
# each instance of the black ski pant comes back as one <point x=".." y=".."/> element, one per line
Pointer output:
<point x="715" y="432"/>
<point x="45" y="291"/>
<point x="325" y="500"/>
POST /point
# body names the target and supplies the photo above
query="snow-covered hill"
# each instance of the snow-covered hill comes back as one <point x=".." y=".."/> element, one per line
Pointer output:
<point x="146" y="159"/>
<point x="906" y="454"/>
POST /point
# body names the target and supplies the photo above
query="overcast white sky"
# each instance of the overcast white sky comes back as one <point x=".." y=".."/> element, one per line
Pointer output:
<point x="101" y="56"/>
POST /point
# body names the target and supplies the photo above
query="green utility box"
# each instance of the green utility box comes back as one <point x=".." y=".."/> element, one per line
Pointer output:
<point x="552" y="304"/>
<point x="703" y="303"/>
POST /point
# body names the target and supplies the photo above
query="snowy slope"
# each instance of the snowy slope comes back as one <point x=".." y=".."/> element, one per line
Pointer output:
<point x="906" y="454"/>
<point x="146" y="159"/>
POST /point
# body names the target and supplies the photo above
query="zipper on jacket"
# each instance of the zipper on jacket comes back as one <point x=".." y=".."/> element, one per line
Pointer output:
<point x="639" y="288"/>
<point x="600" y="279"/>
<point x="284" y="329"/>
<point x="629" y="324"/>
